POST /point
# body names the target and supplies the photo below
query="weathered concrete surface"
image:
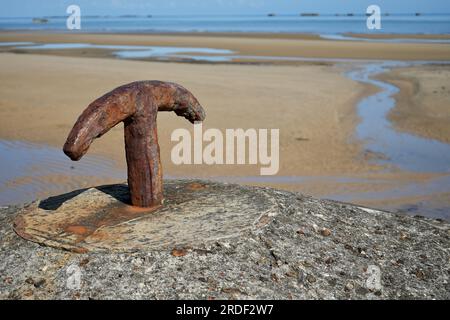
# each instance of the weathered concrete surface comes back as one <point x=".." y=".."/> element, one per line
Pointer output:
<point x="99" y="219"/>
<point x="305" y="248"/>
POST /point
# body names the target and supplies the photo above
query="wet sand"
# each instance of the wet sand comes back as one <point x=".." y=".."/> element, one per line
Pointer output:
<point x="315" y="124"/>
<point x="313" y="104"/>
<point x="399" y="36"/>
<point x="251" y="44"/>
<point x="423" y="103"/>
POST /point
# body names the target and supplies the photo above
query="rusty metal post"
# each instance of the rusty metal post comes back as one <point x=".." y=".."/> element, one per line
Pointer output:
<point x="137" y="105"/>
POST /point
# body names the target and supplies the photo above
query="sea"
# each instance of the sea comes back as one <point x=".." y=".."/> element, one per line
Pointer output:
<point x="413" y="23"/>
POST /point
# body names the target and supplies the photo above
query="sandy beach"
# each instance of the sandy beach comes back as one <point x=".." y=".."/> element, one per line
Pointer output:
<point x="307" y="46"/>
<point x="399" y="36"/>
<point x="225" y="150"/>
<point x="313" y="104"/>
<point x="423" y="101"/>
<point x="234" y="96"/>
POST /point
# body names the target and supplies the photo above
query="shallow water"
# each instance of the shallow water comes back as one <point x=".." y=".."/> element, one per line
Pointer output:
<point x="30" y="170"/>
<point x="10" y="44"/>
<point x="181" y="53"/>
<point x="281" y="23"/>
<point x="135" y="52"/>
<point x="390" y="40"/>
<point x="403" y="150"/>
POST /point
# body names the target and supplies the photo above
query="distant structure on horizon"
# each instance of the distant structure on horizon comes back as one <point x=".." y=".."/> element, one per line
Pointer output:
<point x="39" y="20"/>
<point x="309" y="14"/>
<point x="271" y="14"/>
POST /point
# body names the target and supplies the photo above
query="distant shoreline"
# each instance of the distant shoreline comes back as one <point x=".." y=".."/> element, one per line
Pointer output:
<point x="315" y="105"/>
<point x="299" y="14"/>
<point x="243" y="34"/>
<point x="243" y="44"/>
<point x="310" y="23"/>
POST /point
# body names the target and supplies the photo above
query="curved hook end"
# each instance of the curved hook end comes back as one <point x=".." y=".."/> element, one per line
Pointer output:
<point x="71" y="152"/>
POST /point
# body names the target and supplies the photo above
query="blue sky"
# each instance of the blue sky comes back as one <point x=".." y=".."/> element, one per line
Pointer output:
<point x="14" y="8"/>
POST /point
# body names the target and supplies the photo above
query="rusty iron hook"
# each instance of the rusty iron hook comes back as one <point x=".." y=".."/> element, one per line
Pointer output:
<point x="137" y="105"/>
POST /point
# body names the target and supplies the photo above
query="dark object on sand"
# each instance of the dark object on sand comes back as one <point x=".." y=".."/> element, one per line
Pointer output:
<point x="39" y="20"/>
<point x="137" y="105"/>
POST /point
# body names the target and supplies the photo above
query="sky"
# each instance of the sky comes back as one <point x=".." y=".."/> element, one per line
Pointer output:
<point x="34" y="8"/>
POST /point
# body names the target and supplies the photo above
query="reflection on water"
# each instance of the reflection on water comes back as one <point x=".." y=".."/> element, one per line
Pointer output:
<point x="323" y="23"/>
<point x="387" y="40"/>
<point x="164" y="53"/>
<point x="403" y="150"/>
<point x="13" y="44"/>
<point x="134" y="52"/>
<point x="31" y="170"/>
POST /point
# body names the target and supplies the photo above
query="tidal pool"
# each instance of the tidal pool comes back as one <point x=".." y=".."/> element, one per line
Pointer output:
<point x="29" y="171"/>
<point x="134" y="52"/>
<point x="403" y="150"/>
